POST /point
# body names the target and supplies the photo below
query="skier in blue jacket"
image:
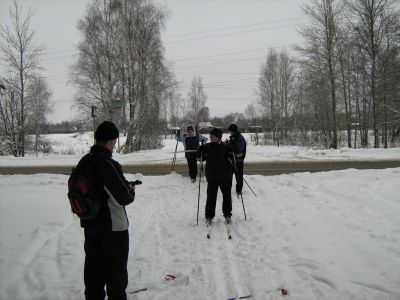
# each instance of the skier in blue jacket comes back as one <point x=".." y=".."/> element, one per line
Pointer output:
<point x="238" y="145"/>
<point x="191" y="143"/>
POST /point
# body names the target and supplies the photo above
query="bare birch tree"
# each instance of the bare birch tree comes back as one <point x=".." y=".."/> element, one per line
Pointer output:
<point x="276" y="90"/>
<point x="97" y="66"/>
<point x="197" y="98"/>
<point x="371" y="20"/>
<point x="286" y="90"/>
<point x="321" y="37"/>
<point x="9" y="122"/>
<point x="268" y="90"/>
<point x="121" y="68"/>
<point x="21" y="55"/>
<point x="38" y="107"/>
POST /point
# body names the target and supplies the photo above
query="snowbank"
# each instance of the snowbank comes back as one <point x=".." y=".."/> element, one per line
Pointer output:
<point x="80" y="144"/>
<point x="333" y="235"/>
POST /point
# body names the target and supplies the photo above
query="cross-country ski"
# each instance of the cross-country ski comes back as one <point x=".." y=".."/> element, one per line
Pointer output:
<point x="240" y="297"/>
<point x="228" y="229"/>
<point x="209" y="229"/>
<point x="136" y="290"/>
<point x="170" y="281"/>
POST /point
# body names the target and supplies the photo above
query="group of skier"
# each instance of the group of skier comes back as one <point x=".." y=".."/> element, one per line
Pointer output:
<point x="223" y="159"/>
<point x="98" y="193"/>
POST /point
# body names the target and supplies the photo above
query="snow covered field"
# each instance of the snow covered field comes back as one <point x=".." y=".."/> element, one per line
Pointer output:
<point x="333" y="235"/>
<point x="80" y="144"/>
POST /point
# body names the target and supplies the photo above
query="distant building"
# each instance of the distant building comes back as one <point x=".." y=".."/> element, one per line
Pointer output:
<point x="205" y="125"/>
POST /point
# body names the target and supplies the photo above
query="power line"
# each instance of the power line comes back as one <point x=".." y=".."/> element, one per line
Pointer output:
<point x="221" y="54"/>
<point x="243" y="80"/>
<point x="236" y="80"/>
<point x="213" y="30"/>
<point x="214" y="63"/>
<point x="236" y="52"/>
<point x="207" y="56"/>
<point x="232" y="99"/>
<point x="220" y="63"/>
<point x="232" y="33"/>
<point x="216" y="73"/>
<point x="232" y="27"/>
<point x="229" y="88"/>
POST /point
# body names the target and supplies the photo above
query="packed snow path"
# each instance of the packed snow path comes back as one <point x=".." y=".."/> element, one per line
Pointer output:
<point x="333" y="235"/>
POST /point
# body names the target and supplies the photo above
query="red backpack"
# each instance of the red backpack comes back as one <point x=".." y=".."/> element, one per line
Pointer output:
<point x="83" y="196"/>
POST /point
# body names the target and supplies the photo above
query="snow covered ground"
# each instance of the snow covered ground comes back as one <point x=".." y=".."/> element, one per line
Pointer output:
<point x="333" y="235"/>
<point x="65" y="144"/>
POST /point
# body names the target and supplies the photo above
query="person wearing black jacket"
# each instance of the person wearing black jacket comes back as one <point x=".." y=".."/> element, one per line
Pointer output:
<point x="218" y="174"/>
<point x="106" y="235"/>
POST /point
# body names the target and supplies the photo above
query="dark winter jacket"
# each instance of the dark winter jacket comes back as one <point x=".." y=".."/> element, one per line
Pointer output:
<point x="238" y="146"/>
<point x="191" y="143"/>
<point x="218" y="167"/>
<point x="114" y="191"/>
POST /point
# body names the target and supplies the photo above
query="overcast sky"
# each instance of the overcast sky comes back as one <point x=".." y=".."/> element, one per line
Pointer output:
<point x="223" y="41"/>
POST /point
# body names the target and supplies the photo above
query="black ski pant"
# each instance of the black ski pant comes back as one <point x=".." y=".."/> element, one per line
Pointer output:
<point x="212" y="191"/>
<point x="192" y="164"/>
<point x="106" y="265"/>
<point x="239" y="177"/>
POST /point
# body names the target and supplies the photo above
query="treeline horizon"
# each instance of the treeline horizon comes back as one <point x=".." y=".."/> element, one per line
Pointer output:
<point x="346" y="76"/>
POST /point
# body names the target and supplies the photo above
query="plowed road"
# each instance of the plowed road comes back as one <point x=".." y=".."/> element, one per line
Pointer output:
<point x="261" y="168"/>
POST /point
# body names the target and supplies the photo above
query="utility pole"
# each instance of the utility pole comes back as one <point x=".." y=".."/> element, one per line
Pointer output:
<point x="94" y="115"/>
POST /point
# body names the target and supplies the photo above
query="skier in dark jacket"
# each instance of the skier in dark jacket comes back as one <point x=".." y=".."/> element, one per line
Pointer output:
<point x="237" y="144"/>
<point x="191" y="143"/>
<point x="218" y="174"/>
<point x="106" y="236"/>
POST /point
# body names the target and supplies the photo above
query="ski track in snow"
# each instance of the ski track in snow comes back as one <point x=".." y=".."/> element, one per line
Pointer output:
<point x="333" y="235"/>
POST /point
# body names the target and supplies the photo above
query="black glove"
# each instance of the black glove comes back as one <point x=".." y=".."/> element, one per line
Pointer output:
<point x="136" y="182"/>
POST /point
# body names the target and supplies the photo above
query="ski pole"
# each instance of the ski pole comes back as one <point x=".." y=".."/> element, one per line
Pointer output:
<point x="241" y="196"/>
<point x="242" y="177"/>
<point x="198" y="196"/>
<point x="244" y="210"/>
<point x="174" y="159"/>
<point x="250" y="188"/>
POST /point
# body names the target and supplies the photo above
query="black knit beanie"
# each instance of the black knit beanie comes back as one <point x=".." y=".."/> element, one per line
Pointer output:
<point x="233" y="128"/>
<point x="216" y="132"/>
<point x="106" y="131"/>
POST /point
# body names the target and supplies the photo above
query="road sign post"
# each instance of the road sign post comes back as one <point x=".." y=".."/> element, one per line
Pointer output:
<point x="94" y="115"/>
